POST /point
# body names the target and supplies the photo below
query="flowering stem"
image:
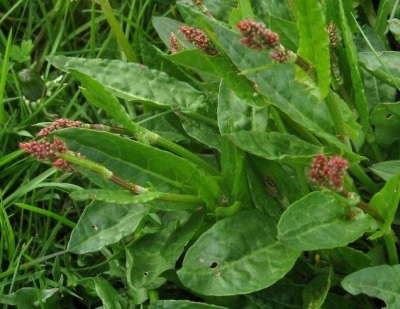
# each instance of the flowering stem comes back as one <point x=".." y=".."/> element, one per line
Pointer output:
<point x="107" y="174"/>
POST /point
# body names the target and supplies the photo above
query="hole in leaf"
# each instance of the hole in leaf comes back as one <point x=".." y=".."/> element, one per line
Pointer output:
<point x="146" y="273"/>
<point x="94" y="226"/>
<point x="388" y="116"/>
<point x="214" y="265"/>
<point x="217" y="274"/>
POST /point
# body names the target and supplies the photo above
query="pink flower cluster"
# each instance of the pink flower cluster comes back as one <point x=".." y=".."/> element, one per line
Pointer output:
<point x="199" y="38"/>
<point x="328" y="172"/>
<point x="59" y="124"/>
<point x="257" y="36"/>
<point x="44" y="150"/>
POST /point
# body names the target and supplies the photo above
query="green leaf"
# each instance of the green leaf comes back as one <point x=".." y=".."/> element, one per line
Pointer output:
<point x="287" y="30"/>
<point x="360" y="100"/>
<point x="238" y="249"/>
<point x="232" y="114"/>
<point x="394" y="27"/>
<point x="220" y="67"/>
<point x="386" y="202"/>
<point x="131" y="160"/>
<point x="277" y="296"/>
<point x="378" y="281"/>
<point x="316" y="291"/>
<point x="27" y="298"/>
<point x="182" y="304"/>
<point x="102" y="224"/>
<point x="110" y="297"/>
<point x="320" y="221"/>
<point x="179" y="238"/>
<point x="384" y="66"/>
<point x="386" y="169"/>
<point x="314" y="41"/>
<point x="346" y="260"/>
<point x="118" y="197"/>
<point x="278" y="85"/>
<point x="145" y="262"/>
<point x="132" y="81"/>
<point x="386" y="120"/>
<point x="275" y="146"/>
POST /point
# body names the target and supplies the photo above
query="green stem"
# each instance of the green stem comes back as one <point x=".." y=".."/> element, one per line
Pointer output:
<point x="107" y="174"/>
<point x="360" y="174"/>
<point x="391" y="248"/>
<point x="112" y="21"/>
<point x="337" y="118"/>
<point x="153" y="296"/>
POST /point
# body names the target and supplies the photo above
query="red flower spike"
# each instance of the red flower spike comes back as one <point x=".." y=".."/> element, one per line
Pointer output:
<point x="328" y="172"/>
<point x="198" y="38"/>
<point x="257" y="36"/>
<point x="174" y="44"/>
<point x="59" y="124"/>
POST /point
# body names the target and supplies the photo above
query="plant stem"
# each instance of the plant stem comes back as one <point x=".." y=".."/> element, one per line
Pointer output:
<point x="157" y="140"/>
<point x="116" y="29"/>
<point x="107" y="174"/>
<point x="391" y="248"/>
<point x="365" y="207"/>
<point x="360" y="174"/>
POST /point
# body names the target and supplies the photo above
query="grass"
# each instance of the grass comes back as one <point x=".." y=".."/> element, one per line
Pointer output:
<point x="31" y="194"/>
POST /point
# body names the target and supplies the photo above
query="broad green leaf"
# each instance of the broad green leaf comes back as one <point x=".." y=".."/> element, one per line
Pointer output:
<point x="378" y="281"/>
<point x="287" y="30"/>
<point x="274" y="145"/>
<point x="262" y="199"/>
<point x="279" y="87"/>
<point x="386" y="203"/>
<point x="360" y="101"/>
<point x="180" y="237"/>
<point x="346" y="260"/>
<point x="386" y="169"/>
<point x="220" y="67"/>
<point x="277" y="296"/>
<point x="110" y="297"/>
<point x="233" y="115"/>
<point x="314" y="41"/>
<point x="132" y="81"/>
<point x="234" y="171"/>
<point x="99" y="96"/>
<point x="202" y="132"/>
<point x="131" y="160"/>
<point x="316" y="291"/>
<point x="386" y="120"/>
<point x="384" y="10"/>
<point x="145" y="262"/>
<point x="118" y="197"/>
<point x="385" y="66"/>
<point x="279" y="8"/>
<point x="394" y="27"/>
<point x="27" y="298"/>
<point x="320" y="221"/>
<point x="238" y="249"/>
<point x="182" y="304"/>
<point x="102" y="224"/>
